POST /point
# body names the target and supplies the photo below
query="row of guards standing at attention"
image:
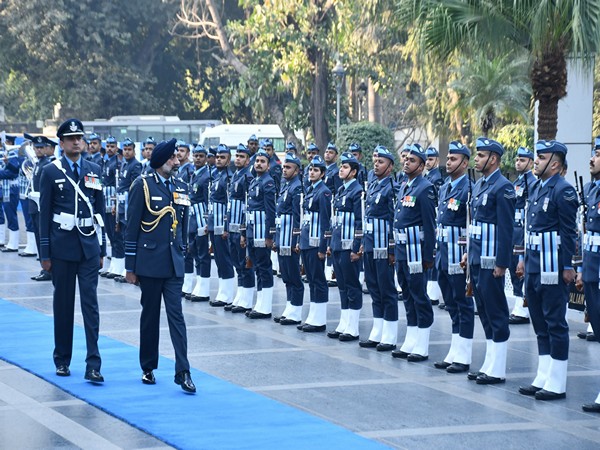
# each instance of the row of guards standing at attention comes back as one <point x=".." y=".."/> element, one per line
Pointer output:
<point x="9" y="188"/>
<point x="72" y="245"/>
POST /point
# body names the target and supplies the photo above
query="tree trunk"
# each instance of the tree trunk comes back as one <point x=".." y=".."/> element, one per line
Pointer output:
<point x="547" y="122"/>
<point x="319" y="97"/>
<point x="375" y="109"/>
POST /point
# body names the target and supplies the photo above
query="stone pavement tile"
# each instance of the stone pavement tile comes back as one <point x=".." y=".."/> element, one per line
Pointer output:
<point x="33" y="386"/>
<point x="116" y="431"/>
<point x="19" y="431"/>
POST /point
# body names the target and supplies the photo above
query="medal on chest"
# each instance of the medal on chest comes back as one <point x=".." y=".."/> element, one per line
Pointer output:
<point x="92" y="182"/>
<point x="484" y="201"/>
<point x="409" y="201"/>
<point x="519" y="191"/>
<point x="453" y="204"/>
<point x="546" y="203"/>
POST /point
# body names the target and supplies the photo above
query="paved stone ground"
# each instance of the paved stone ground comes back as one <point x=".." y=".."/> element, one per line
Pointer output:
<point x="403" y="405"/>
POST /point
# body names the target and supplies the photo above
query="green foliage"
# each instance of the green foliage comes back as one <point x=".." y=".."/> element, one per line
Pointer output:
<point x="368" y="135"/>
<point x="512" y="137"/>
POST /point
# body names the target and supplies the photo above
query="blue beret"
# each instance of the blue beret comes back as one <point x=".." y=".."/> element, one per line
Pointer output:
<point x="524" y="152"/>
<point x="489" y="145"/>
<point x="290" y="146"/>
<point x="457" y="148"/>
<point x="222" y="148"/>
<point x="241" y="148"/>
<point x="597" y="143"/>
<point x="199" y="149"/>
<point x="383" y="152"/>
<point x="354" y="147"/>
<point x="11" y="138"/>
<point x="312" y="147"/>
<point x="162" y="153"/>
<point x="149" y="140"/>
<point x="349" y="158"/>
<point x="71" y="127"/>
<point x="406" y="147"/>
<point x="542" y="146"/>
<point x="183" y="144"/>
<point x="268" y="142"/>
<point x="417" y="150"/>
<point x="319" y="162"/>
<point x="128" y="141"/>
<point x="432" y="151"/>
<point x="253" y="138"/>
<point x="292" y="158"/>
<point x="94" y="137"/>
<point x="262" y="152"/>
<point x="331" y="146"/>
<point x="111" y="140"/>
<point x="212" y="151"/>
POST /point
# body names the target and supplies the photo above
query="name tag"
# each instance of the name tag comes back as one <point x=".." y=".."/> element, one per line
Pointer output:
<point x="157" y="198"/>
<point x="61" y="180"/>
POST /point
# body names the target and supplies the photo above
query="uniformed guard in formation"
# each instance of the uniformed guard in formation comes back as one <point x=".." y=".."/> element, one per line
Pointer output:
<point x="388" y="223"/>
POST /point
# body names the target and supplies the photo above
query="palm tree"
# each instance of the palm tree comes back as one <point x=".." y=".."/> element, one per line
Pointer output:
<point x="489" y="89"/>
<point x="549" y="30"/>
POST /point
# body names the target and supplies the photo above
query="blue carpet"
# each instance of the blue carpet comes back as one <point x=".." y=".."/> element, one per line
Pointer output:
<point x="220" y="416"/>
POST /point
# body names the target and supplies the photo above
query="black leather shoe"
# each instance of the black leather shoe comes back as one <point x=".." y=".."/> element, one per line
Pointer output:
<point x="381" y="347"/>
<point x="457" y="368"/>
<point x="63" y="371"/>
<point x="414" y="357"/>
<point x="591" y="337"/>
<point x="286" y="321"/>
<point x="103" y="274"/>
<point x="240" y="309"/>
<point x="486" y="379"/>
<point x="184" y="380"/>
<point x="591" y="407"/>
<point x="543" y="394"/>
<point x="188" y="296"/>
<point x="346" y="337"/>
<point x="518" y="320"/>
<point x="473" y="375"/>
<point x="582" y="334"/>
<point x="276" y="319"/>
<point x="195" y="298"/>
<point x="333" y="334"/>
<point x="217" y="303"/>
<point x="120" y="279"/>
<point x="148" y="377"/>
<point x="94" y="376"/>
<point x="111" y="275"/>
<point x="332" y="283"/>
<point x="308" y="328"/>
<point x="529" y="390"/>
<point x="365" y="290"/>
<point x="257" y="315"/>
<point x="442" y="305"/>
<point x="435" y="302"/>
<point x="8" y="250"/>
<point x="400" y="354"/>
<point x="305" y="279"/>
<point x="441" y="364"/>
<point x="27" y="255"/>
<point x="228" y="307"/>
<point x="44" y="276"/>
<point x="368" y="344"/>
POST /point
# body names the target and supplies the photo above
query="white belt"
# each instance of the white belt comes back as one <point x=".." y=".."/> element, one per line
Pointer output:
<point x="591" y="239"/>
<point x="399" y="237"/>
<point x="536" y="239"/>
<point x="519" y="214"/>
<point x="278" y="221"/>
<point x="34" y="194"/>
<point x="369" y="227"/>
<point x="475" y="230"/>
<point x="122" y="197"/>
<point x="69" y="220"/>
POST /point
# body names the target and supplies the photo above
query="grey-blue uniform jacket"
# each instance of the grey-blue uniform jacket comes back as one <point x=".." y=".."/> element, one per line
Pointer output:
<point x="238" y="187"/>
<point x="149" y="252"/>
<point x="414" y="223"/>
<point x="434" y="176"/>
<point x="287" y="218"/>
<point x="551" y="229"/>
<point x="34" y="195"/>
<point x="379" y="217"/>
<point x="591" y="239"/>
<point x="490" y="233"/>
<point x="316" y="217"/>
<point x="523" y="186"/>
<point x="451" y="224"/>
<point x="218" y="201"/>
<point x="260" y="217"/>
<point x="199" y="200"/>
<point x="67" y="230"/>
<point x="130" y="170"/>
<point x="347" y="219"/>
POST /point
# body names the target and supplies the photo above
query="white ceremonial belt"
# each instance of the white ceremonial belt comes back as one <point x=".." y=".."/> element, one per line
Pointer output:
<point x="68" y="221"/>
<point x="536" y="239"/>
<point x="519" y="214"/>
<point x="122" y="196"/>
<point x="591" y="238"/>
<point x="400" y="237"/>
<point x="474" y="230"/>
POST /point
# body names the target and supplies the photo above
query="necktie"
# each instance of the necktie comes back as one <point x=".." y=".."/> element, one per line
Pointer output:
<point x="75" y="172"/>
<point x="168" y="185"/>
<point x="448" y="189"/>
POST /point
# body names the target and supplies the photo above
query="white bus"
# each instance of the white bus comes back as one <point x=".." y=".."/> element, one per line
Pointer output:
<point x="232" y="135"/>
